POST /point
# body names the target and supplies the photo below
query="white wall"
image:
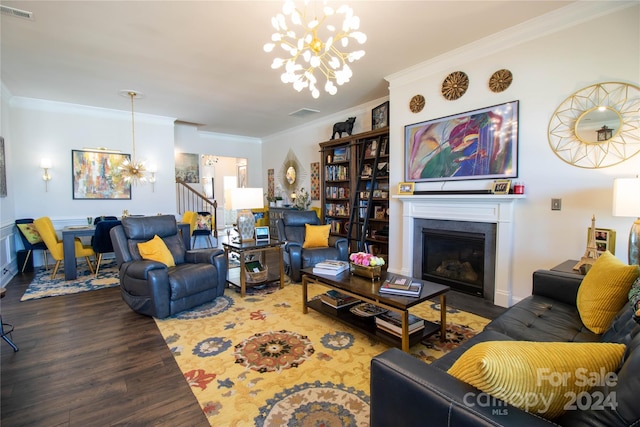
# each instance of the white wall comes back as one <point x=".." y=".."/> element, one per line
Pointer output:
<point x="51" y="129"/>
<point x="550" y="59"/>
<point x="546" y="69"/>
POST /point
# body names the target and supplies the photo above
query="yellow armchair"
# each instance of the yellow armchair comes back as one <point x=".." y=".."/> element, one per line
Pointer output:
<point x="54" y="245"/>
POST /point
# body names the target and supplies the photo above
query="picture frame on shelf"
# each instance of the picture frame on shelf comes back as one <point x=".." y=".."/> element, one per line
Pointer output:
<point x="378" y="212"/>
<point x="340" y="154"/>
<point x="501" y="186"/>
<point x="406" y="188"/>
<point x="383" y="146"/>
<point x="380" y="116"/>
<point x="372" y="148"/>
<point x="605" y="240"/>
<point x="95" y="175"/>
<point x="449" y="148"/>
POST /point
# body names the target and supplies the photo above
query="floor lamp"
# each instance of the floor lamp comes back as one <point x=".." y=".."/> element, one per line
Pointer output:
<point x="626" y="202"/>
<point x="243" y="200"/>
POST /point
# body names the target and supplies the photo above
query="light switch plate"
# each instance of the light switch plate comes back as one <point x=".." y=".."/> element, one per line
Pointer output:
<point x="556" y="204"/>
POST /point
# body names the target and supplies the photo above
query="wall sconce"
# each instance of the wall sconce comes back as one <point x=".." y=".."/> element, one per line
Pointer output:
<point x="46" y="165"/>
<point x="152" y="179"/>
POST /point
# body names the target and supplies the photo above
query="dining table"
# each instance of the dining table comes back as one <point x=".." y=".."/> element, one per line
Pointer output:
<point x="69" y="235"/>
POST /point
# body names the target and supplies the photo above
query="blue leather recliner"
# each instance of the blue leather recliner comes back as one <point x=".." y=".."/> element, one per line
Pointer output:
<point x="152" y="288"/>
<point x="291" y="230"/>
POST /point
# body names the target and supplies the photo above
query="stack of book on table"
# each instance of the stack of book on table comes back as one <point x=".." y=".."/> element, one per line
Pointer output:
<point x="391" y="322"/>
<point x="331" y="267"/>
<point x="337" y="299"/>
<point x="400" y="285"/>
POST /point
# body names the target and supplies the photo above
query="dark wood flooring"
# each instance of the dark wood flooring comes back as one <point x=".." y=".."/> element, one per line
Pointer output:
<point x="88" y="360"/>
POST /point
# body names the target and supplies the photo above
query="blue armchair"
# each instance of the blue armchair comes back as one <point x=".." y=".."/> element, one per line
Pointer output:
<point x="291" y="230"/>
<point x="152" y="288"/>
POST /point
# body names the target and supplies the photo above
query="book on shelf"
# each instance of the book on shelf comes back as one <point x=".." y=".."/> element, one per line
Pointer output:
<point x="337" y="299"/>
<point x="414" y="290"/>
<point x="398" y="333"/>
<point x="392" y="322"/>
<point x="397" y="282"/>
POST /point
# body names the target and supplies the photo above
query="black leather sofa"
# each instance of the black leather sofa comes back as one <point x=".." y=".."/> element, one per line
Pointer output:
<point x="406" y="391"/>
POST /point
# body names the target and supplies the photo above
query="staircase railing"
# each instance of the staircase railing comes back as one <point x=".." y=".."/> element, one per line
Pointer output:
<point x="189" y="199"/>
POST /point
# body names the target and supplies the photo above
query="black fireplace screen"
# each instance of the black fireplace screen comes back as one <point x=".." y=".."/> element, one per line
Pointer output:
<point x="455" y="259"/>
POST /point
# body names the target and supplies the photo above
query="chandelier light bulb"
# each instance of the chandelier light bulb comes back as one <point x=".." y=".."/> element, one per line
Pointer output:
<point x="321" y="48"/>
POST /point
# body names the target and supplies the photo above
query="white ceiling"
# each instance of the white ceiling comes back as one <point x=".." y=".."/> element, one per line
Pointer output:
<point x="202" y="61"/>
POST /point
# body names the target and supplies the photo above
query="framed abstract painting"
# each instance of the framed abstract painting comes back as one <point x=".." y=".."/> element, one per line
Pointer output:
<point x="479" y="144"/>
<point x="95" y="175"/>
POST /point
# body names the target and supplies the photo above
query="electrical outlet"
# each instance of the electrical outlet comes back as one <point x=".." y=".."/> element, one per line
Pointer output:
<point x="556" y="204"/>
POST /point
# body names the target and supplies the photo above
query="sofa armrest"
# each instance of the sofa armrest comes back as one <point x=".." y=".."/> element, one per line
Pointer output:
<point x="202" y="256"/>
<point x="408" y="392"/>
<point x="342" y="245"/>
<point x="557" y="285"/>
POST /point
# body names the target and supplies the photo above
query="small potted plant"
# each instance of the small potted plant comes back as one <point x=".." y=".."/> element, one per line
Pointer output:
<point x="271" y="199"/>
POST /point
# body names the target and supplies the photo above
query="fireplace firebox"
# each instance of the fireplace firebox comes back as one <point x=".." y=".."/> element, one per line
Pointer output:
<point x="455" y="259"/>
<point x="459" y="254"/>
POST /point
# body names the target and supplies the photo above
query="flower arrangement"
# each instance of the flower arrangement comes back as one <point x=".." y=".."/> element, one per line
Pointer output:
<point x="301" y="199"/>
<point x="366" y="260"/>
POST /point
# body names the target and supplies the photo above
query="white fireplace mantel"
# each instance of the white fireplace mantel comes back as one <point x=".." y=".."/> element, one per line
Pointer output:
<point x="492" y="208"/>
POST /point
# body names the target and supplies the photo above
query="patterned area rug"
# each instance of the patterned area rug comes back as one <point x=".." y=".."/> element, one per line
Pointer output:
<point x="260" y="361"/>
<point x="42" y="286"/>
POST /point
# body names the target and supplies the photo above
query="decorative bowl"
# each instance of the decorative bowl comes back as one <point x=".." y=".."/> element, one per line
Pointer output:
<point x="372" y="273"/>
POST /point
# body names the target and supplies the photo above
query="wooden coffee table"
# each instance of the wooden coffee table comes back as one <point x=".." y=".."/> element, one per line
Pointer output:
<point x="368" y="291"/>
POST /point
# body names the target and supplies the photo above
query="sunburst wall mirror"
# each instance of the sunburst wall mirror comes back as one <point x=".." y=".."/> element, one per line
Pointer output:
<point x="598" y="126"/>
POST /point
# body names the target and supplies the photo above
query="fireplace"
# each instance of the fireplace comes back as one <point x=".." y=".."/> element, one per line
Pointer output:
<point x="494" y="209"/>
<point x="458" y="254"/>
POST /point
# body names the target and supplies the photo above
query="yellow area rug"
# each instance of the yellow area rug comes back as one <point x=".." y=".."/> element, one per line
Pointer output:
<point x="260" y="361"/>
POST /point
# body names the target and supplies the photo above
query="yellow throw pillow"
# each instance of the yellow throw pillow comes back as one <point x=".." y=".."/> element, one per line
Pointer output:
<point x="604" y="291"/>
<point x="538" y="377"/>
<point x="316" y="236"/>
<point x="30" y="233"/>
<point x="156" y="250"/>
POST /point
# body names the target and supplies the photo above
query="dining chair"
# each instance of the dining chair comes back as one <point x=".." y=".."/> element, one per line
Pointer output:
<point x="101" y="240"/>
<point x="104" y="218"/>
<point x="31" y="240"/>
<point x="202" y="228"/>
<point x="54" y="244"/>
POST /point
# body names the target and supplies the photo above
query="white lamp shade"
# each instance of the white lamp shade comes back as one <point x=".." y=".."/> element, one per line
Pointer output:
<point x="626" y="197"/>
<point x="45" y="163"/>
<point x="247" y="198"/>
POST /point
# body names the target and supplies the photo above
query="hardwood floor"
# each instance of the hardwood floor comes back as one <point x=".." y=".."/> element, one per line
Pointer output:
<point x="88" y="360"/>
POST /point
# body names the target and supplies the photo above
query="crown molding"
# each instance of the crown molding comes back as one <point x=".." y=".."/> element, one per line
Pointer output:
<point x="569" y="16"/>
<point x="19" y="102"/>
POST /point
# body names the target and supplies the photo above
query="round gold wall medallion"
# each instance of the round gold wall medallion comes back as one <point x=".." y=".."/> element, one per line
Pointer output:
<point x="500" y="80"/>
<point x="416" y="104"/>
<point x="455" y="85"/>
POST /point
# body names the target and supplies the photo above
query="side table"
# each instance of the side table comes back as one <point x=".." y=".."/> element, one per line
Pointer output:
<point x="567" y="267"/>
<point x="249" y="248"/>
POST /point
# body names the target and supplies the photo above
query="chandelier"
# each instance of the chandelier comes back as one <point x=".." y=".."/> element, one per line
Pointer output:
<point x="132" y="171"/>
<point x="314" y="43"/>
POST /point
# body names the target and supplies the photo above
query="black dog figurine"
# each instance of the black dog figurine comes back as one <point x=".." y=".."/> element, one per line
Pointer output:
<point x="343" y="127"/>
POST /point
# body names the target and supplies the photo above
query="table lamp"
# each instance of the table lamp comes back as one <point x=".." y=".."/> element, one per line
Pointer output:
<point x="626" y="202"/>
<point x="243" y="200"/>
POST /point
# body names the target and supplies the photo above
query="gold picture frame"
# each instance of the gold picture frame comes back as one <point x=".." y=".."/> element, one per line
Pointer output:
<point x="501" y="186"/>
<point x="605" y="240"/>
<point x="406" y="188"/>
